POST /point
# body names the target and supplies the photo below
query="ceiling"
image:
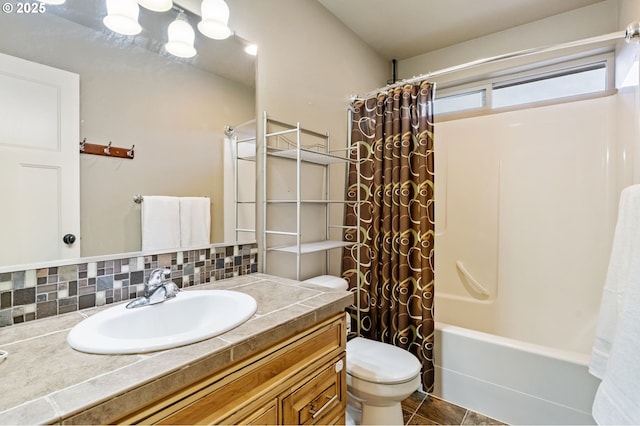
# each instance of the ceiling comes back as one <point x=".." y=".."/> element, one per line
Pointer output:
<point x="434" y="24"/>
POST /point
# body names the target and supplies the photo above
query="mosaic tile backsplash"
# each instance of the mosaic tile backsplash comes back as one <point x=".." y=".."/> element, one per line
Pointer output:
<point x="40" y="293"/>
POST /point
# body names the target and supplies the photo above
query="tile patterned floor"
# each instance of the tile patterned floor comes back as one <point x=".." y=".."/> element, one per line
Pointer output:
<point x="421" y="409"/>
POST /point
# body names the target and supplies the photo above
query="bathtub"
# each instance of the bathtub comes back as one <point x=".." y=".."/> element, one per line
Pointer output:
<point x="512" y="381"/>
<point x="526" y="203"/>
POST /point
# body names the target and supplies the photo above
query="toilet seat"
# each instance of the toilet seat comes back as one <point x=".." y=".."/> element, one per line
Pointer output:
<point x="380" y="363"/>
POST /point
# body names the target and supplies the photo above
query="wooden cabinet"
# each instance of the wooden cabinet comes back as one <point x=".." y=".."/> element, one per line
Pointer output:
<point x="302" y="380"/>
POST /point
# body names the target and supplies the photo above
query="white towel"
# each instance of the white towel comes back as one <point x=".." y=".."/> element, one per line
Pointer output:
<point x="160" y="222"/>
<point x="195" y="221"/>
<point x="615" y="356"/>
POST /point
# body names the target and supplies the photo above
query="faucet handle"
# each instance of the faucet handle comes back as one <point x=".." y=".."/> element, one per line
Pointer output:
<point x="158" y="275"/>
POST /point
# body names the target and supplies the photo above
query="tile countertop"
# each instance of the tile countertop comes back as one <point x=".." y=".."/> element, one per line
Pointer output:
<point x="44" y="380"/>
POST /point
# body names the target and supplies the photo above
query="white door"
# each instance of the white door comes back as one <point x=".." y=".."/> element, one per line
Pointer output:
<point x="39" y="162"/>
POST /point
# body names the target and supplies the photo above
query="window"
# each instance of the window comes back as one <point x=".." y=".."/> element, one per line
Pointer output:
<point x="559" y="85"/>
<point x="460" y="102"/>
<point x="580" y="77"/>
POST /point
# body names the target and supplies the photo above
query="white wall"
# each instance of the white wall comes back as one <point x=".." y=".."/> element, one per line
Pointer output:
<point x="309" y="64"/>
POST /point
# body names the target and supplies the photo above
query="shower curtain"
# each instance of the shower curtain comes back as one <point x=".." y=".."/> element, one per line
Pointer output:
<point x="393" y="272"/>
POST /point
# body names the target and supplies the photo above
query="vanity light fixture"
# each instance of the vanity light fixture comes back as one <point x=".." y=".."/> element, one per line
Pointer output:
<point x="56" y="2"/>
<point x="156" y="5"/>
<point x="122" y="17"/>
<point x="181" y="38"/>
<point x="215" y="17"/>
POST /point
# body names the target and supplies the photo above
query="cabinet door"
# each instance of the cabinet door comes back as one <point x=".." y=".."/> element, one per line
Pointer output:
<point x="320" y="399"/>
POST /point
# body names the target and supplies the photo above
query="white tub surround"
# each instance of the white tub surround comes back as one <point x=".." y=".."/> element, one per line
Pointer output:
<point x="526" y="208"/>
<point x="527" y="202"/>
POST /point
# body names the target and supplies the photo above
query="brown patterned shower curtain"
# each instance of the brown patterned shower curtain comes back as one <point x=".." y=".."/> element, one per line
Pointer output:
<point x="393" y="133"/>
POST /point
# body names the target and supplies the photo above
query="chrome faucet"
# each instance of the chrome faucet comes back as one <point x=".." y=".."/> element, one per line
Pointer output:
<point x="157" y="289"/>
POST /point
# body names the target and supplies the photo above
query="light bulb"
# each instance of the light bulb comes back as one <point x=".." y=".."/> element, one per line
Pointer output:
<point x="156" y="5"/>
<point x="215" y="16"/>
<point x="251" y="49"/>
<point x="181" y="38"/>
<point x="122" y="17"/>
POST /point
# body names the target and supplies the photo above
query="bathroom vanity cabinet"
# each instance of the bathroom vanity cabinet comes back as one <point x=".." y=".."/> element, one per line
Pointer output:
<point x="284" y="365"/>
<point x="301" y="380"/>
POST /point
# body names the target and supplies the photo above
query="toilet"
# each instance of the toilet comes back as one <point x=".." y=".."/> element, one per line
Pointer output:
<point x="379" y="375"/>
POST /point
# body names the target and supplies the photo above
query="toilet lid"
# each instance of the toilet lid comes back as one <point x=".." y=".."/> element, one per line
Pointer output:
<point x="330" y="281"/>
<point x="379" y="362"/>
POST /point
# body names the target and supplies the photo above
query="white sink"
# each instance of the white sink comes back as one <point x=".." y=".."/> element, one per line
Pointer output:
<point x="189" y="317"/>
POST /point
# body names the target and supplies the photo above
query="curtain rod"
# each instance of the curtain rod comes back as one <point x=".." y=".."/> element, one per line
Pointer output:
<point x="631" y="33"/>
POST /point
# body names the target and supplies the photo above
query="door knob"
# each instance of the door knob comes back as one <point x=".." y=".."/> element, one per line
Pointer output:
<point x="69" y="239"/>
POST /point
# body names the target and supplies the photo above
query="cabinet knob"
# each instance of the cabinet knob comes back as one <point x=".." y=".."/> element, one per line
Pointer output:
<point x="69" y="239"/>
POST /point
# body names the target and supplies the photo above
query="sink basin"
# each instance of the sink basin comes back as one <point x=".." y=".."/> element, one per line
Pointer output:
<point x="190" y="317"/>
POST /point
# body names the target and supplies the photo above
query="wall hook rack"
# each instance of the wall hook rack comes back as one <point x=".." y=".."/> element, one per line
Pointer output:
<point x="106" y="150"/>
